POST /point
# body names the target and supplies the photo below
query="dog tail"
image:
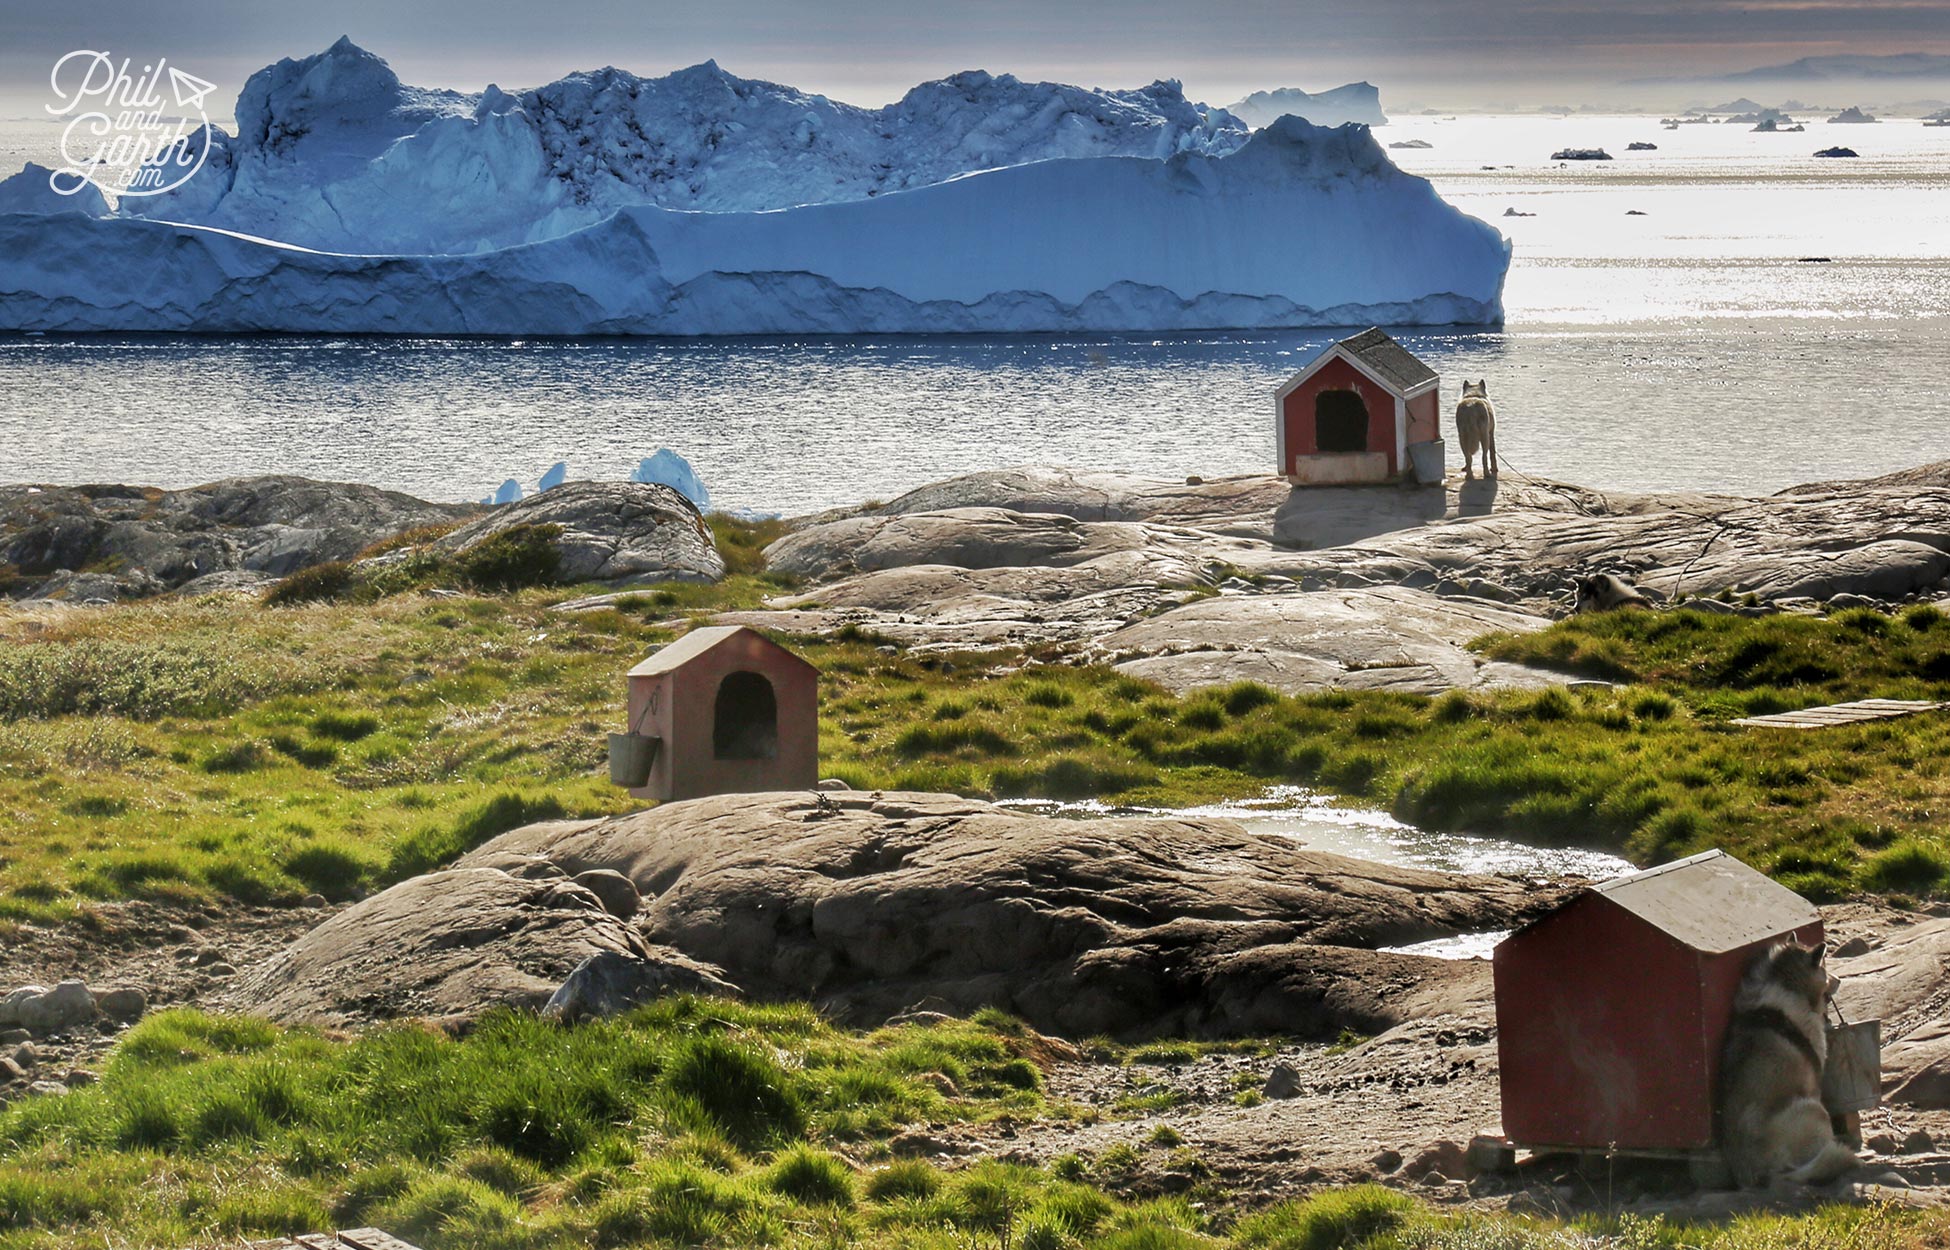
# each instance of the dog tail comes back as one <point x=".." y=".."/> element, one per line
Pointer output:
<point x="1830" y="1162"/>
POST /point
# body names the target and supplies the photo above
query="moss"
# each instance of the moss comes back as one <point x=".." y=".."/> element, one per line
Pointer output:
<point x="321" y="583"/>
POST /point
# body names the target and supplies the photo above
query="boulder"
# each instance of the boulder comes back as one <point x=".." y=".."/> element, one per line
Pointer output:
<point x="1382" y="638"/>
<point x="963" y="538"/>
<point x="1282" y="1082"/>
<point x="1916" y="1068"/>
<point x="610" y="982"/>
<point x="1883" y="542"/>
<point x="1242" y="503"/>
<point x="631" y="533"/>
<point x="64" y="1007"/>
<point x="125" y="1005"/>
<point x="156" y="540"/>
<point x="869" y="903"/>
<point x="448" y="944"/>
<point x="1898" y="981"/>
<point x="617" y="892"/>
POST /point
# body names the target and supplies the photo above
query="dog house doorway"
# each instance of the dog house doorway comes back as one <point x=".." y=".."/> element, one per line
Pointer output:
<point x="745" y="720"/>
<point x="1340" y="421"/>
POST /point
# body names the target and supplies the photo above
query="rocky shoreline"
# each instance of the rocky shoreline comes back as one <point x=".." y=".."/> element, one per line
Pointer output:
<point x="889" y="906"/>
<point x="1183" y="583"/>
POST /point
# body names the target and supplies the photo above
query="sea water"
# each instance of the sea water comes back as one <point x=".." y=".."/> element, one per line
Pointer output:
<point x="1726" y="313"/>
<point x="1314" y="821"/>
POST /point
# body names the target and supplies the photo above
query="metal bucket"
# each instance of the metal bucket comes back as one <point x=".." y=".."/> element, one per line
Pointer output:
<point x="1852" y="1078"/>
<point x="630" y="758"/>
<point x="1429" y="460"/>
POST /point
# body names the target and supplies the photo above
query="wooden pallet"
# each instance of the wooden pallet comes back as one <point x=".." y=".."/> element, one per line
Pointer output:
<point x="1842" y="714"/>
<point x="353" y="1239"/>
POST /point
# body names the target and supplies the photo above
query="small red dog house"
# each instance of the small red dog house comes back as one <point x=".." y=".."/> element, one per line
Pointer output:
<point x="1352" y="415"/>
<point x="726" y="710"/>
<point x="1611" y="1011"/>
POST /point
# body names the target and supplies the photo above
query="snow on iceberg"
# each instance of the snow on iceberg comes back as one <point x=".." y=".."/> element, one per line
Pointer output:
<point x="29" y="191"/>
<point x="1355" y="102"/>
<point x="672" y="470"/>
<point x="334" y="153"/>
<point x="1302" y="226"/>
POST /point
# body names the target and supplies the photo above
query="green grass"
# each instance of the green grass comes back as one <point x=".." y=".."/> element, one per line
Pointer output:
<point x="687" y="1122"/>
<point x="689" y="1116"/>
<point x="205" y="749"/>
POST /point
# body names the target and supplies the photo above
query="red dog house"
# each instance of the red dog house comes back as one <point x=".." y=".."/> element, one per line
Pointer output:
<point x="1611" y="1011"/>
<point x="723" y="710"/>
<point x="1353" y="414"/>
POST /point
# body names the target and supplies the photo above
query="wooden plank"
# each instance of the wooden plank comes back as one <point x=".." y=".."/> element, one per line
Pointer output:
<point x="372" y="1239"/>
<point x="1858" y="712"/>
<point x="352" y="1239"/>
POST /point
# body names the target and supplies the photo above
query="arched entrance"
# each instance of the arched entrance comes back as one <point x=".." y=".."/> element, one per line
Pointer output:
<point x="1340" y="421"/>
<point x="745" y="720"/>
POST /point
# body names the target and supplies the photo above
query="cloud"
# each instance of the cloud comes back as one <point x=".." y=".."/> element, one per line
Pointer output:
<point x="869" y="50"/>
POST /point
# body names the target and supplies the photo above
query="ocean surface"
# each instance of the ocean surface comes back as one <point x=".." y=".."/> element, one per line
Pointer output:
<point x="1726" y="313"/>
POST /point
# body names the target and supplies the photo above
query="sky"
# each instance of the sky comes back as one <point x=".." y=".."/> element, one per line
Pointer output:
<point x="1453" y="53"/>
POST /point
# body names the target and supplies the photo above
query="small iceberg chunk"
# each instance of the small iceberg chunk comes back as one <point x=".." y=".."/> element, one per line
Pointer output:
<point x="32" y="191"/>
<point x="667" y="468"/>
<point x="1580" y="154"/>
<point x="509" y="492"/>
<point x="557" y="474"/>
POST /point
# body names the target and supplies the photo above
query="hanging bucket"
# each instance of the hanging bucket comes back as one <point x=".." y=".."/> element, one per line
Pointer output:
<point x="630" y="758"/>
<point x="1852" y="1079"/>
<point x="1428" y="461"/>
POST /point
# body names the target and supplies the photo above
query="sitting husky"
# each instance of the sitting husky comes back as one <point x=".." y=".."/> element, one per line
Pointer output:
<point x="1772" y="1121"/>
<point x="1602" y="592"/>
<point x="1476" y="427"/>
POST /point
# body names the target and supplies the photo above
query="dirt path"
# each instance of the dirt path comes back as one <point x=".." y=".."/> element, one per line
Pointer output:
<point x="176" y="955"/>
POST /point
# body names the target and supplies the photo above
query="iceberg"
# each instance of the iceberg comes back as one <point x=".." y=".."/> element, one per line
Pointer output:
<point x="1356" y="102"/>
<point x="668" y="468"/>
<point x="334" y="153"/>
<point x="1302" y="226"/>
<point x="557" y="474"/>
<point x="705" y="204"/>
<point x="508" y="492"/>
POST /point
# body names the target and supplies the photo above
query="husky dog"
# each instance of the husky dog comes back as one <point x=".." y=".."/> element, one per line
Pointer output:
<point x="1772" y="1121"/>
<point x="1476" y="427"/>
<point x="1601" y="592"/>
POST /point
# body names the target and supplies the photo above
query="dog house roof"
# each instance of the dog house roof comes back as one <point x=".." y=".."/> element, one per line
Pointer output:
<point x="1711" y="902"/>
<point x="1394" y="363"/>
<point x="697" y="642"/>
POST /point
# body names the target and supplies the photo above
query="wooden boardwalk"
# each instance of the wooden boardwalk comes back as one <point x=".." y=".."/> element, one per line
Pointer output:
<point x="355" y="1239"/>
<point x="1842" y="714"/>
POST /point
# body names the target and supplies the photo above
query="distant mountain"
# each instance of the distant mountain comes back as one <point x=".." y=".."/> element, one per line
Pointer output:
<point x="1355" y="102"/>
<point x="1848" y="69"/>
<point x="1899" y="67"/>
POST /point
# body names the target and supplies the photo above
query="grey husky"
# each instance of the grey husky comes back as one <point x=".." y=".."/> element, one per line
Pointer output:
<point x="1772" y="1121"/>
<point x="1476" y="427"/>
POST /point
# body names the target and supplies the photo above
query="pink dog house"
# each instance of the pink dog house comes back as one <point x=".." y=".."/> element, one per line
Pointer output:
<point x="1351" y="416"/>
<point x="727" y="711"/>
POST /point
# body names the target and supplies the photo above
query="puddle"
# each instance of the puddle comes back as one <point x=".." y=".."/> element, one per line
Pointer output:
<point x="1316" y="823"/>
<point x="1461" y="946"/>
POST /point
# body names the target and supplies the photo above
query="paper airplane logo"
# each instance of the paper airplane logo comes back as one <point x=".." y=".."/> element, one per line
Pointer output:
<point x="189" y="89"/>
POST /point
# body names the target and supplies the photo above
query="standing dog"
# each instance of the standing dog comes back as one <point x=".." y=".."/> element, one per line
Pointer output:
<point x="1772" y="1121"/>
<point x="1476" y="427"/>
